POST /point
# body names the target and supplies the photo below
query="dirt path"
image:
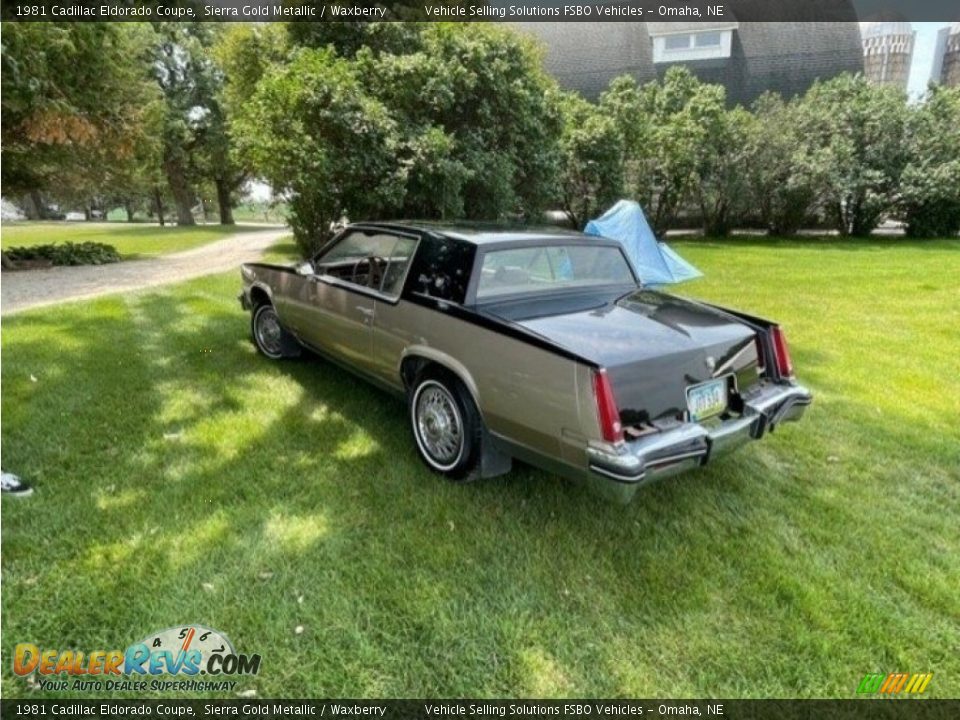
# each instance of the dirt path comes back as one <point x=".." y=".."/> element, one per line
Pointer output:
<point x="35" y="288"/>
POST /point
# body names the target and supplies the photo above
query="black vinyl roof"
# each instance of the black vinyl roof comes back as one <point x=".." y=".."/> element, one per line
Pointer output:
<point x="480" y="233"/>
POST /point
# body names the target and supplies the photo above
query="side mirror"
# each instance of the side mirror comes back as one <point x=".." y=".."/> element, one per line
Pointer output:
<point x="305" y="268"/>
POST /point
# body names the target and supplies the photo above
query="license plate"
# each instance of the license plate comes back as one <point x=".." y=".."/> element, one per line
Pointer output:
<point x="707" y="399"/>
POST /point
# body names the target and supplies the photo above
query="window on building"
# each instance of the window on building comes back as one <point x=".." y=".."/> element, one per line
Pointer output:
<point x="670" y="46"/>
<point x="707" y="39"/>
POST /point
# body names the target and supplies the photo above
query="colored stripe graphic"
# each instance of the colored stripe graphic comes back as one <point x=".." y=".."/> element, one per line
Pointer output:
<point x="895" y="682"/>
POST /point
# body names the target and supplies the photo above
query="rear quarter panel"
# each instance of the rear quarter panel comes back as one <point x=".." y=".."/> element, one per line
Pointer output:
<point x="526" y="394"/>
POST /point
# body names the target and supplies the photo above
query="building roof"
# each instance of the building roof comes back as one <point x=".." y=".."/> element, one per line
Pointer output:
<point x="784" y="57"/>
<point x="674" y="28"/>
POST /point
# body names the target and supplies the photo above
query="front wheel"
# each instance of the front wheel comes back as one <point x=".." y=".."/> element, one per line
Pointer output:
<point x="446" y="425"/>
<point x="271" y="339"/>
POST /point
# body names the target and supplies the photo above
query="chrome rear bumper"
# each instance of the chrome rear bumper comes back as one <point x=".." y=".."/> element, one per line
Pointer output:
<point x="618" y="473"/>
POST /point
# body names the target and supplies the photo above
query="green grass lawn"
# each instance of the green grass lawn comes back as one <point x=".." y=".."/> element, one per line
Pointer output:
<point x="182" y="478"/>
<point x="130" y="239"/>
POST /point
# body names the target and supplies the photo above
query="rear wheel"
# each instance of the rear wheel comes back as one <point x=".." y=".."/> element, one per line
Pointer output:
<point x="445" y="423"/>
<point x="271" y="339"/>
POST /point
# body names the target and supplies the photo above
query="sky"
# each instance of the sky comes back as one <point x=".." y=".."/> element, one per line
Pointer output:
<point x="923" y="56"/>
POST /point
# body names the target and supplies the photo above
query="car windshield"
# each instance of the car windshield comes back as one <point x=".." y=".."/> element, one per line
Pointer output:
<point x="551" y="267"/>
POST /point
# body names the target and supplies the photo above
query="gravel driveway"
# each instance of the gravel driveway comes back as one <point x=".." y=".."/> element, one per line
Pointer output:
<point x="21" y="290"/>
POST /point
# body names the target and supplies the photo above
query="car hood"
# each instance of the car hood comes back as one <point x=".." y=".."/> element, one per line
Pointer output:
<point x="653" y="346"/>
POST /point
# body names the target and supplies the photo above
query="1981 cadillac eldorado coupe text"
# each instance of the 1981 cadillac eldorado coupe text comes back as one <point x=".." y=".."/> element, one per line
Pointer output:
<point x="540" y="345"/>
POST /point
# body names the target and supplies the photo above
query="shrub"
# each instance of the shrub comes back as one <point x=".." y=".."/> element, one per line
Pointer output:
<point x="780" y="192"/>
<point x="462" y="125"/>
<point x="311" y="130"/>
<point x="68" y="253"/>
<point x="930" y="186"/>
<point x="722" y="184"/>
<point x="669" y="130"/>
<point x="592" y="164"/>
<point x="852" y="135"/>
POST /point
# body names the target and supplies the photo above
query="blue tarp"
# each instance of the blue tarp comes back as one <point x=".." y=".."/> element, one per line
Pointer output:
<point x="654" y="262"/>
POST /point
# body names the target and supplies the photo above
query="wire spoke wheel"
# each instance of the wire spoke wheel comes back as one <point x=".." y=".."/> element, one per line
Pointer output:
<point x="269" y="333"/>
<point x="439" y="425"/>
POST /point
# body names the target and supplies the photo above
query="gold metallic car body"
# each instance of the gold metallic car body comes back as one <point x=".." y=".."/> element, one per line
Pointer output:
<point x="536" y="398"/>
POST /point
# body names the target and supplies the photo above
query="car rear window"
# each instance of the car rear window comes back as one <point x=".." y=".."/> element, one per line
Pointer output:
<point x="545" y="268"/>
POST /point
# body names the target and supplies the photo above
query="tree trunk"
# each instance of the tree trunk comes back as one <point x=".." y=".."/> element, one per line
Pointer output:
<point x="158" y="198"/>
<point x="128" y="206"/>
<point x="183" y="195"/>
<point x="34" y="206"/>
<point x="224" y="202"/>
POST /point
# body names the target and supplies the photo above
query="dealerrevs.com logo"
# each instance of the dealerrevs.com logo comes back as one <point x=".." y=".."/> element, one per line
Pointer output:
<point x="184" y="652"/>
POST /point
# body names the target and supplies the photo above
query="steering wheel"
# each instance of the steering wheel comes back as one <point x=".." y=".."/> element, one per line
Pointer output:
<point x="373" y="274"/>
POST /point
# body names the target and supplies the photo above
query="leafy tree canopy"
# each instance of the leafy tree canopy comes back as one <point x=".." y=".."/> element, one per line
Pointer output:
<point x="462" y="123"/>
<point x="76" y="100"/>
<point x="851" y="147"/>
<point x="930" y="184"/>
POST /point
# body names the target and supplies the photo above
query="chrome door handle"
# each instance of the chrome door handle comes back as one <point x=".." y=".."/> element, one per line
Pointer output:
<point x="364" y="310"/>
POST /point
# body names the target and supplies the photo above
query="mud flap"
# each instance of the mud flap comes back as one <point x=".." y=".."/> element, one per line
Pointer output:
<point x="493" y="460"/>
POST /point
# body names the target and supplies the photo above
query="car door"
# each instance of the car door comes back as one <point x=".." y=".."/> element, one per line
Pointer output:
<point x="391" y="321"/>
<point x="339" y="304"/>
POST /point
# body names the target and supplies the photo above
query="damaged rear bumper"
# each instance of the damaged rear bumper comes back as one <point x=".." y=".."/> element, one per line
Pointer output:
<point x="620" y="471"/>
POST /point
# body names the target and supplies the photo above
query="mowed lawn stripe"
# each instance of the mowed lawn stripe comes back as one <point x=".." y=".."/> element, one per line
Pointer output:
<point x="181" y="479"/>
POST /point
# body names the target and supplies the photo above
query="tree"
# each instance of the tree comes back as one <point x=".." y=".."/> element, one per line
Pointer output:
<point x="196" y="133"/>
<point x="930" y="185"/>
<point x="477" y="117"/>
<point x="852" y="136"/>
<point x="77" y="105"/>
<point x="722" y="182"/>
<point x="243" y="53"/>
<point x="459" y="122"/>
<point x="312" y="132"/>
<point x="348" y="38"/>
<point x="631" y="108"/>
<point x="778" y="187"/>
<point x="592" y="160"/>
<point x="665" y="127"/>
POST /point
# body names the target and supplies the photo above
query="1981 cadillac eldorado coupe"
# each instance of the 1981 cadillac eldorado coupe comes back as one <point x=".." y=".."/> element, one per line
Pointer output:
<point x="540" y="345"/>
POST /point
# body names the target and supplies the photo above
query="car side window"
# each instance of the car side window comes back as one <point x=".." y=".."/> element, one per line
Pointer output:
<point x="371" y="259"/>
<point x="398" y="261"/>
<point x="356" y="246"/>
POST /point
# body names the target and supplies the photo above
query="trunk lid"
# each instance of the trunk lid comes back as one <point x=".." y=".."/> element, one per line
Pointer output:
<point x="653" y="345"/>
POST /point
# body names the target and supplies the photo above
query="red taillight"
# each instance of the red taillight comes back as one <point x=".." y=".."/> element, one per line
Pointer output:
<point x="607" y="411"/>
<point x="784" y="366"/>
